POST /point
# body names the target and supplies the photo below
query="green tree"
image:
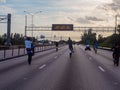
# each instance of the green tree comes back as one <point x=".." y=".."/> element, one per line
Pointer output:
<point x="88" y="37"/>
<point x="100" y="38"/>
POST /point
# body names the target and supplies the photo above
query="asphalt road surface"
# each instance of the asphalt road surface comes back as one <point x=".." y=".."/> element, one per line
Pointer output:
<point x="51" y="70"/>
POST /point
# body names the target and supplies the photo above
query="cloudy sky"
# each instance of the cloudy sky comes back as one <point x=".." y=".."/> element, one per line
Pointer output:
<point x="77" y="12"/>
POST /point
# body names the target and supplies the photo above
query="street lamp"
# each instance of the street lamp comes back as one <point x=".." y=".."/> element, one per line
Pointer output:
<point x="32" y="14"/>
<point x="116" y="23"/>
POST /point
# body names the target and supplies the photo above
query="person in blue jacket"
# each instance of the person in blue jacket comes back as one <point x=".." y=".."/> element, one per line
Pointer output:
<point x="28" y="46"/>
<point x="116" y="53"/>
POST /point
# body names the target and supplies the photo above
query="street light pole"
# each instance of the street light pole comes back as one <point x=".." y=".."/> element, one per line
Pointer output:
<point x="32" y="15"/>
<point x="32" y="26"/>
<point x="115" y="23"/>
<point x="25" y="25"/>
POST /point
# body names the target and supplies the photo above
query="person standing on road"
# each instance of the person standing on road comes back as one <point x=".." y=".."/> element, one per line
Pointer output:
<point x="33" y="49"/>
<point x="28" y="46"/>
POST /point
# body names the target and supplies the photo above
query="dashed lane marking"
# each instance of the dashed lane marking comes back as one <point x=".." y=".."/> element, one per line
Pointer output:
<point x="90" y="58"/>
<point x="25" y="78"/>
<point x="101" y="69"/>
<point x="55" y="57"/>
<point x="115" y="83"/>
<point x="41" y="67"/>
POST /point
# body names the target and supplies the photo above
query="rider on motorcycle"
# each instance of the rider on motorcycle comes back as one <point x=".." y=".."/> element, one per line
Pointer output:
<point x="70" y="46"/>
<point x="116" y="53"/>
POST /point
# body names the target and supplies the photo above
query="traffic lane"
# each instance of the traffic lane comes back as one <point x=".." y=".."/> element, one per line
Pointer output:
<point x="77" y="73"/>
<point x="86" y="75"/>
<point x="103" y="57"/>
<point x="104" y="53"/>
<point x="44" y="77"/>
<point x="22" y="69"/>
<point x="20" y="61"/>
<point x="105" y="62"/>
<point x="8" y="64"/>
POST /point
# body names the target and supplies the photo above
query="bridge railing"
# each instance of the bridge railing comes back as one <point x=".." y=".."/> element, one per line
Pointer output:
<point x="20" y="50"/>
<point x="105" y="48"/>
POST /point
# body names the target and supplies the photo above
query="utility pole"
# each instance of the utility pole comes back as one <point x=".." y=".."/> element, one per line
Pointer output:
<point x="8" y="21"/>
<point x="8" y="29"/>
<point x="115" y="23"/>
<point x="32" y="15"/>
<point x="25" y="26"/>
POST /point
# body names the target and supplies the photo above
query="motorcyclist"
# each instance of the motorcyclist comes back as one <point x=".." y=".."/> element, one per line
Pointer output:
<point x="116" y="53"/>
<point x="70" y="45"/>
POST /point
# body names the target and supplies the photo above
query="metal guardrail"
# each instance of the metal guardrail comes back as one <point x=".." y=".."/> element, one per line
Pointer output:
<point x="20" y="50"/>
<point x="105" y="48"/>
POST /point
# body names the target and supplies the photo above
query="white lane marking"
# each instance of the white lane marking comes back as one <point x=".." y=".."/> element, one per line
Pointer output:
<point x="25" y="78"/>
<point x="101" y="69"/>
<point x="41" y="67"/>
<point x="115" y="83"/>
<point x="90" y="58"/>
<point x="55" y="57"/>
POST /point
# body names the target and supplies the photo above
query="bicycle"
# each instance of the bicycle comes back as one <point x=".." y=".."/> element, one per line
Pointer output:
<point x="70" y="52"/>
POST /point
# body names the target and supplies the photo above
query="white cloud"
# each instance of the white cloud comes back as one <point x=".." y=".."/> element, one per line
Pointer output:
<point x="83" y="21"/>
<point x="77" y="12"/>
<point x="113" y="7"/>
<point x="4" y="1"/>
<point x="5" y="10"/>
<point x="93" y="18"/>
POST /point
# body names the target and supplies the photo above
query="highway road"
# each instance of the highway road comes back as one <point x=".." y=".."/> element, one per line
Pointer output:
<point x="51" y="70"/>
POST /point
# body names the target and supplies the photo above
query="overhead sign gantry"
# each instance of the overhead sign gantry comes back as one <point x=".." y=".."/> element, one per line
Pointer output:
<point x="7" y="19"/>
<point x="62" y="27"/>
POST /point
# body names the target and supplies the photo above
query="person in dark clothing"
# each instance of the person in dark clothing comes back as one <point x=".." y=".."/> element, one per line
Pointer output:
<point x="56" y="44"/>
<point x="70" y="45"/>
<point x="87" y="45"/>
<point x="116" y="53"/>
<point x="33" y="49"/>
<point x="95" y="46"/>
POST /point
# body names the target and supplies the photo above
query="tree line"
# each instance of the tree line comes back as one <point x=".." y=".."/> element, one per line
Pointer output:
<point x="88" y="36"/>
<point x="16" y="39"/>
<point x="102" y="41"/>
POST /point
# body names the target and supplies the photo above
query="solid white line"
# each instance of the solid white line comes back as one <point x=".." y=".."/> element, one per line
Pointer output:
<point x="41" y="67"/>
<point x="101" y="69"/>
